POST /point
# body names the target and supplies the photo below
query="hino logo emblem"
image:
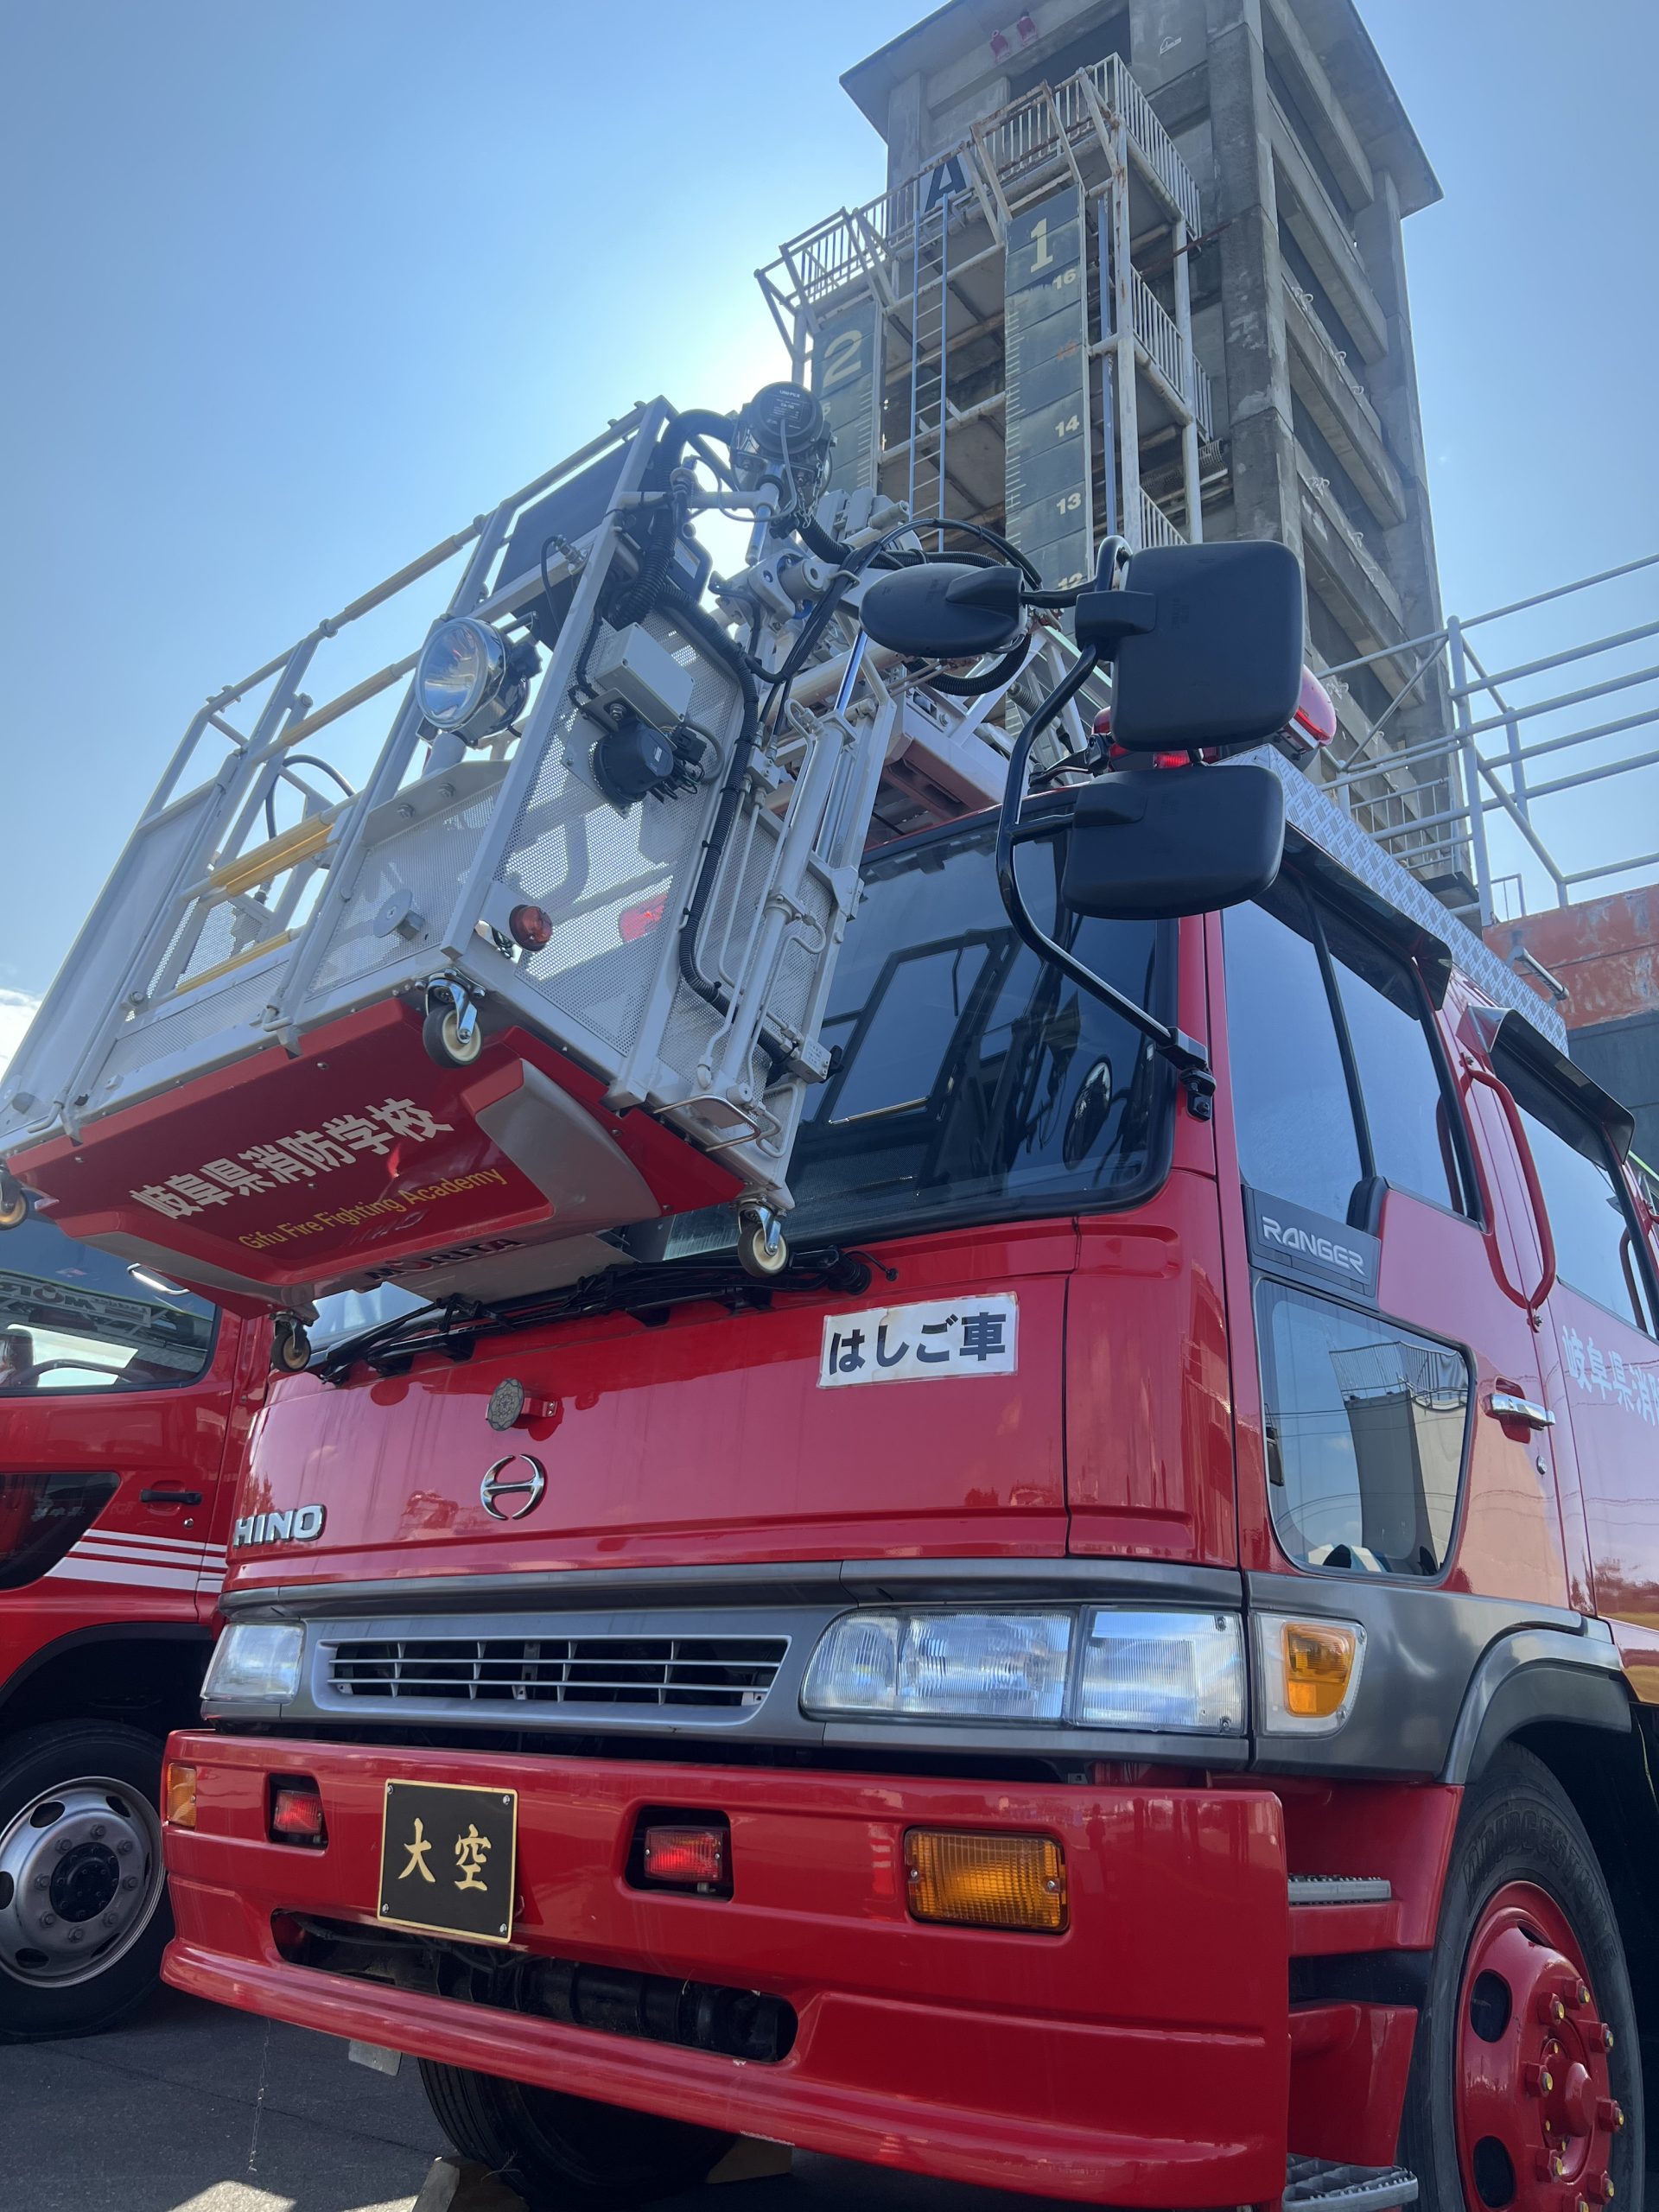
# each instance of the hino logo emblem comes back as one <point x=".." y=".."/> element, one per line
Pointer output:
<point x="302" y="1524"/>
<point x="527" y="1487"/>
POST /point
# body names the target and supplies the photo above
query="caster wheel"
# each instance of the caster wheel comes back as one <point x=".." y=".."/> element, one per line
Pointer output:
<point x="447" y="1043"/>
<point x="762" y="1249"/>
<point x="291" y="1348"/>
<point x="14" y="1204"/>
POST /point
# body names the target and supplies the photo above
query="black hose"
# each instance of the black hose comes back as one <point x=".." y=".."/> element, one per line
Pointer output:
<point x="990" y="679"/>
<point x="819" y="541"/>
<point x="689" y="616"/>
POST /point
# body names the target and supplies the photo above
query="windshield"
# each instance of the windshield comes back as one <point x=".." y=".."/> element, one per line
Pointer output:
<point x="75" y="1318"/>
<point x="974" y="1081"/>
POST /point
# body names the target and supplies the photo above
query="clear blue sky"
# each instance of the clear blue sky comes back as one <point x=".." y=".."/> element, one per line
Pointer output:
<point x="296" y="288"/>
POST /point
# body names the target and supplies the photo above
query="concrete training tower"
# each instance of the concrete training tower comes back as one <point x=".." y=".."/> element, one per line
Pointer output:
<point x="1139" y="266"/>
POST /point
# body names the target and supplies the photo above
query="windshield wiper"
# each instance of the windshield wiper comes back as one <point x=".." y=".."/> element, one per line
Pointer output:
<point x="451" y="1327"/>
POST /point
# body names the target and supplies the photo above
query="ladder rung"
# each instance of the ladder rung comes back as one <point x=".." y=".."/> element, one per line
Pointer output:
<point x="261" y="862"/>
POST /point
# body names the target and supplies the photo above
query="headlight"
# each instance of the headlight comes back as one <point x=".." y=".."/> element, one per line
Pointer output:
<point x="1173" y="1671"/>
<point x="469" y="680"/>
<point x="255" y="1659"/>
<point x="942" y="1666"/>
<point x="1163" y="1673"/>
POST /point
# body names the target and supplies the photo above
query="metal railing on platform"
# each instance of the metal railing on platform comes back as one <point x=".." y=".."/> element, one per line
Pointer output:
<point x="1505" y="720"/>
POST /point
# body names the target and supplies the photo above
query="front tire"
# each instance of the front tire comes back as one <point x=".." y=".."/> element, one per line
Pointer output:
<point x="83" y="1907"/>
<point x="1516" y="2103"/>
<point x="568" y="2154"/>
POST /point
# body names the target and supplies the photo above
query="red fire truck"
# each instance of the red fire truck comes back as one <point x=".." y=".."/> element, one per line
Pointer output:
<point x="124" y="1403"/>
<point x="1118" y="1662"/>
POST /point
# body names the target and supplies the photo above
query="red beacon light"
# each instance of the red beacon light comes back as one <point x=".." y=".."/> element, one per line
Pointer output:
<point x="531" y="927"/>
<point x="1314" y="722"/>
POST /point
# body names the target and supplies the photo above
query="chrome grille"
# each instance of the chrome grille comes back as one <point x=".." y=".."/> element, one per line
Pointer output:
<point x="721" y="1671"/>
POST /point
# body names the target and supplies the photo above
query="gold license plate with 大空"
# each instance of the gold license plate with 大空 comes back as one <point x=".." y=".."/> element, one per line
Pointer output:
<point x="448" y="1859"/>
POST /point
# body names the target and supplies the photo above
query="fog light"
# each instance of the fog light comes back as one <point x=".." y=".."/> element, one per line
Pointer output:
<point x="297" y="1812"/>
<point x="178" y="1795"/>
<point x="986" y="1881"/>
<point x="1309" y="1672"/>
<point x="686" y="1858"/>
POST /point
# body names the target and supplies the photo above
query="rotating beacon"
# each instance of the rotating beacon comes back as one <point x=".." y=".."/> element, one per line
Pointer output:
<point x="602" y="862"/>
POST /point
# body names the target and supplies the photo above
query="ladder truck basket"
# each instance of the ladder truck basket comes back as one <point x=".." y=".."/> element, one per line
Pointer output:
<point x="558" y="967"/>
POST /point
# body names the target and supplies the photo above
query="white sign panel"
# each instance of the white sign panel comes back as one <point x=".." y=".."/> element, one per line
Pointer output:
<point x="957" y="1336"/>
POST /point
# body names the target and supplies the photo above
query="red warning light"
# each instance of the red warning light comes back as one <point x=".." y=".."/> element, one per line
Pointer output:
<point x="1315" y="718"/>
<point x="531" y="926"/>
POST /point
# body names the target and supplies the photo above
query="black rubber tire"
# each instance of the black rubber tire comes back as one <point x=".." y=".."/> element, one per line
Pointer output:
<point x="568" y="2154"/>
<point x="1518" y="1824"/>
<point x="38" y="1759"/>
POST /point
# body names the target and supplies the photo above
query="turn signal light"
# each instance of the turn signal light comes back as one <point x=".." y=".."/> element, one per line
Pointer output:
<point x="1318" y="1660"/>
<point x="688" y="1858"/>
<point x="986" y="1881"/>
<point x="296" y="1813"/>
<point x="178" y="1795"/>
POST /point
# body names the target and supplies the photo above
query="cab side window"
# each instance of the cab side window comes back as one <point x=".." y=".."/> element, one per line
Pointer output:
<point x="1407" y="1111"/>
<point x="1335" y="1076"/>
<point x="1292" y="1107"/>
<point x="1365" y="1428"/>
<point x="1598" y="1250"/>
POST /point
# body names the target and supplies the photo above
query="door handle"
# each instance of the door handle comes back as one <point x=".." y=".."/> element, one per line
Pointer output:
<point x="169" y="1498"/>
<point x="1510" y="1405"/>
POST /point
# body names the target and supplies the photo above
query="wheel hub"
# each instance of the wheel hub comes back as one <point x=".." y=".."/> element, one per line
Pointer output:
<point x="80" y="1876"/>
<point x="1535" y="2112"/>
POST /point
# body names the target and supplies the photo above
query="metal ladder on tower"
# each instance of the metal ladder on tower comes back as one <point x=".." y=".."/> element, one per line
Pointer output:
<point x="929" y="338"/>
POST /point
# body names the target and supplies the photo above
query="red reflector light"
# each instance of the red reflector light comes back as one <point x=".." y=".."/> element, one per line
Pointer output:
<point x="531" y="926"/>
<point x="635" y="922"/>
<point x="296" y="1813"/>
<point x="689" y="1858"/>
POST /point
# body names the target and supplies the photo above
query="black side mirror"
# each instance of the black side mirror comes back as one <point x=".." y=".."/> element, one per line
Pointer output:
<point x="946" y="610"/>
<point x="1206" y="642"/>
<point x="1153" y="843"/>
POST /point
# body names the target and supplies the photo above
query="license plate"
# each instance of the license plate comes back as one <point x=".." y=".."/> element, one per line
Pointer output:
<point x="448" y="1859"/>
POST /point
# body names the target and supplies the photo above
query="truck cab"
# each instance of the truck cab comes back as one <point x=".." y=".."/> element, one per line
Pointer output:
<point x="124" y="1403"/>
<point x="1125" y="1672"/>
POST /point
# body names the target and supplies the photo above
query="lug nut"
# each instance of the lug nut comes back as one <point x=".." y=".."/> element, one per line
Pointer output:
<point x="109" y="1920"/>
<point x="1609" y="2115"/>
<point x="43" y="1882"/>
<point x="100" y="1830"/>
<point x="1537" y="2080"/>
<point x="1604" y="2188"/>
<point x="1551" y="2011"/>
<point x="128" y="1881"/>
<point x="1581" y="1996"/>
<point x="1606" y="2038"/>
<point x="77" y="1934"/>
<point x="124" y="1846"/>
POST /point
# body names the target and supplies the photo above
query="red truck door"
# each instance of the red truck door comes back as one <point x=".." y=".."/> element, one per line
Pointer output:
<point x="1369" y="1246"/>
<point x="115" y="1390"/>
<point x="1604" y="1322"/>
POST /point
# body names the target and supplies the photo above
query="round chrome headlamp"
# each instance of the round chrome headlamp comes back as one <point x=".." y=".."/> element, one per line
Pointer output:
<point x="459" y="680"/>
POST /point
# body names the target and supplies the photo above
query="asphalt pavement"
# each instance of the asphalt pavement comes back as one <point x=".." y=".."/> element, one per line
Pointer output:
<point x="193" y="2109"/>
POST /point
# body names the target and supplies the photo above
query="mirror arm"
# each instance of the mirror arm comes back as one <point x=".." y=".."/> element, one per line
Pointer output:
<point x="1185" y="1054"/>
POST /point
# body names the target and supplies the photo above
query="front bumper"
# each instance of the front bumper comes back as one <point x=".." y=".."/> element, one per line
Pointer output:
<point x="1142" y="2057"/>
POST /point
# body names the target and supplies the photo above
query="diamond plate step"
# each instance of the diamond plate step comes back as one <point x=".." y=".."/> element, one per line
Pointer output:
<point x="1339" y="1889"/>
<point x="1331" y="2187"/>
